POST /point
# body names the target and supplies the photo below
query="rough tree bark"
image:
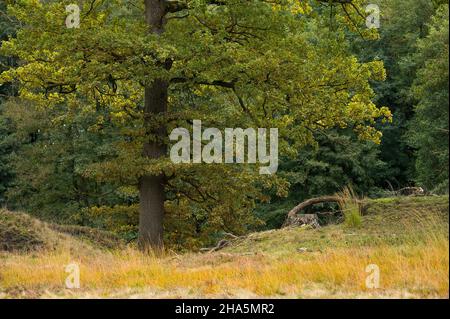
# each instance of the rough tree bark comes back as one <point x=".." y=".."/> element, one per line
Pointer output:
<point x="151" y="188"/>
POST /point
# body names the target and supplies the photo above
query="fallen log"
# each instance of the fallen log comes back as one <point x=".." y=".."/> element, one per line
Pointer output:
<point x="293" y="219"/>
<point x="411" y="191"/>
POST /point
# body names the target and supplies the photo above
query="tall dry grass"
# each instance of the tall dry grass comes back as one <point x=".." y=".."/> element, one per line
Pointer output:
<point x="418" y="271"/>
<point x="350" y="206"/>
<point x="418" y="267"/>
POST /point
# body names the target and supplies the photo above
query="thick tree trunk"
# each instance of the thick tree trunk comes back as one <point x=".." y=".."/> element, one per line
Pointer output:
<point x="151" y="212"/>
<point x="151" y="188"/>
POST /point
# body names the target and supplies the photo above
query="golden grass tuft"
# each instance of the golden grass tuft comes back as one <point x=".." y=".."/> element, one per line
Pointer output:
<point x="351" y="208"/>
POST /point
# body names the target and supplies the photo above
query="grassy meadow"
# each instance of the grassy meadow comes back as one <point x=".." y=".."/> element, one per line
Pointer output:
<point x="407" y="238"/>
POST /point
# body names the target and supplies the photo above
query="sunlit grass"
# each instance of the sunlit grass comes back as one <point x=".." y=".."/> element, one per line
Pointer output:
<point x="411" y="250"/>
<point x="419" y="269"/>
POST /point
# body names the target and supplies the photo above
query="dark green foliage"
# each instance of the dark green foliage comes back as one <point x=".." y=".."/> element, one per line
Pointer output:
<point x="429" y="129"/>
<point x="56" y="148"/>
<point x="7" y="143"/>
<point x="403" y="22"/>
<point x="339" y="159"/>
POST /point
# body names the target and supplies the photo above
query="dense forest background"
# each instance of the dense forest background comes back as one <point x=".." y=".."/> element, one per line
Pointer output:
<point x="70" y="166"/>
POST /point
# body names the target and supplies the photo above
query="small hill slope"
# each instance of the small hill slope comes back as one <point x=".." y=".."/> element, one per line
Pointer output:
<point x="388" y="220"/>
<point x="20" y="232"/>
